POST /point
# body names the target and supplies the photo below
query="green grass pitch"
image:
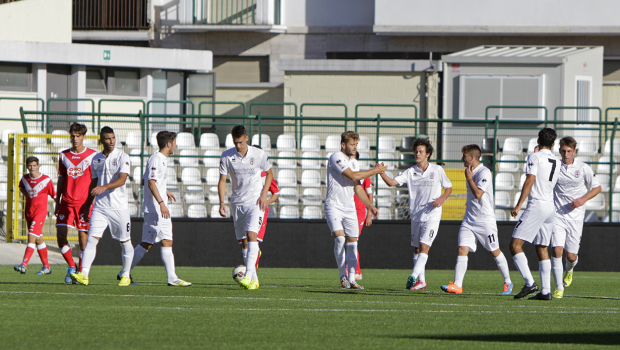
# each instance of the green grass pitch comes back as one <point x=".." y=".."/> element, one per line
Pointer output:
<point x="300" y="309"/>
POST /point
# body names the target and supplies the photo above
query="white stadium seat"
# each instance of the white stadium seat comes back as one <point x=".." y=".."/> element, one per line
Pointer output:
<point x="310" y="178"/>
<point x="188" y="162"/>
<point x="48" y="170"/>
<point x="185" y="140"/>
<point x="289" y="212"/>
<point x="3" y="191"/>
<point x="327" y="160"/>
<point x="196" y="211"/>
<point x="586" y="147"/>
<point x="134" y="158"/>
<point x="288" y="196"/>
<point x="615" y="216"/>
<point x="5" y="135"/>
<point x="364" y="164"/>
<point x="37" y="141"/>
<point x="229" y="142"/>
<point x="363" y="144"/>
<point x="265" y="141"/>
<point x="522" y="181"/>
<point x="212" y="159"/>
<point x="508" y="167"/>
<point x="133" y="139"/>
<point x="532" y="145"/>
<point x="502" y="200"/>
<point x="44" y="158"/>
<point x="215" y="212"/>
<point x="191" y="176"/>
<point x="603" y="179"/>
<point x="209" y="142"/>
<point x="194" y="195"/>
<point x="512" y="145"/>
<point x="287" y="163"/>
<point x="500" y="215"/>
<point x="133" y="210"/>
<point x="386" y="144"/>
<point x="504" y="182"/>
<point x="332" y="143"/>
<point x="310" y="143"/>
<point x="176" y="210"/>
<point x="153" y="140"/>
<point x="382" y="183"/>
<point x="312" y="196"/>
<point x="171" y="176"/>
<point x="213" y="176"/>
<point x="607" y="149"/>
<point x="391" y="165"/>
<point x="214" y="197"/>
<point x="61" y="141"/>
<point x="615" y="201"/>
<point x="310" y="163"/>
<point x="604" y="168"/>
<point x="383" y="198"/>
<point x="312" y="212"/>
<point x="596" y="203"/>
<point x="286" y="143"/>
<point x="517" y="196"/>
<point x="384" y="214"/>
<point x="287" y="178"/>
<point x="556" y="148"/>
<point x="4" y="176"/>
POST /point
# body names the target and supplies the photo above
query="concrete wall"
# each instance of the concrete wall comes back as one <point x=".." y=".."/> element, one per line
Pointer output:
<point x="10" y="109"/>
<point x="487" y="16"/>
<point x="249" y="96"/>
<point x="327" y="13"/>
<point x="36" y="20"/>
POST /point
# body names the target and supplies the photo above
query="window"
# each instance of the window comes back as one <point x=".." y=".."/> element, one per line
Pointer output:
<point x="96" y="80"/>
<point x="126" y="82"/>
<point x="477" y="92"/>
<point x="15" y="77"/>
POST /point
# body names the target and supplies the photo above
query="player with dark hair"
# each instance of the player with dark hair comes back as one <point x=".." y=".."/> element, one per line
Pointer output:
<point x="35" y="187"/>
<point x="479" y="222"/>
<point x="364" y="216"/>
<point x="157" y="225"/>
<point x="424" y="182"/>
<point x="570" y="196"/>
<point x="109" y="173"/>
<point x="343" y="181"/>
<point x="536" y="223"/>
<point x="249" y="195"/>
<point x="72" y="193"/>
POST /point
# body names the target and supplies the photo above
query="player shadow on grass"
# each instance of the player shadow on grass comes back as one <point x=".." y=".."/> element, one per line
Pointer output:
<point x="600" y="338"/>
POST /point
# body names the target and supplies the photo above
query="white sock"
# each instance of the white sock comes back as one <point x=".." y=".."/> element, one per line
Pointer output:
<point x="502" y="265"/>
<point x="88" y="255"/>
<point x="544" y="267"/>
<point x="521" y="262"/>
<point x="82" y="252"/>
<point x="339" y="252"/>
<point x="244" y="252"/>
<point x="64" y="249"/>
<point x="557" y="268"/>
<point x="138" y="253"/>
<point x="571" y="265"/>
<point x="127" y="258"/>
<point x="41" y="246"/>
<point x="415" y="260"/>
<point x="460" y="269"/>
<point x="418" y="269"/>
<point x="250" y="267"/>
<point x="351" y="258"/>
<point x="168" y="258"/>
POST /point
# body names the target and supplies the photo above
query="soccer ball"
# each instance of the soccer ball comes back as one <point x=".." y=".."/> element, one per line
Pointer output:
<point x="238" y="273"/>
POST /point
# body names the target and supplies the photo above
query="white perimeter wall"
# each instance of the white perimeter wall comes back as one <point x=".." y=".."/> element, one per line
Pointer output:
<point x="36" y="20"/>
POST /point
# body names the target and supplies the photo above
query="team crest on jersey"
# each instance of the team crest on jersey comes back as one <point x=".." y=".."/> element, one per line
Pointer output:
<point x="61" y="217"/>
<point x="32" y="193"/>
<point x="75" y="172"/>
<point x="432" y="176"/>
<point x="339" y="162"/>
<point x="252" y="161"/>
<point x="577" y="173"/>
<point x="114" y="163"/>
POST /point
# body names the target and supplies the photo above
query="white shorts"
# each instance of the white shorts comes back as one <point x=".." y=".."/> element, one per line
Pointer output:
<point x="536" y="223"/>
<point x="118" y="220"/>
<point x="567" y="234"/>
<point x="423" y="232"/>
<point x="247" y="218"/>
<point x="339" y="220"/>
<point x="485" y="232"/>
<point x="156" y="228"/>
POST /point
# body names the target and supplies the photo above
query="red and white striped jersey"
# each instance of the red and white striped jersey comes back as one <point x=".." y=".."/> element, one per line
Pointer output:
<point x="37" y="190"/>
<point x="75" y="168"/>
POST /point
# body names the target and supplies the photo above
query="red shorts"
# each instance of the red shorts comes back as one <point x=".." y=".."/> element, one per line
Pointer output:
<point x="263" y="226"/>
<point x="71" y="216"/>
<point x="35" y="225"/>
<point x="361" y="219"/>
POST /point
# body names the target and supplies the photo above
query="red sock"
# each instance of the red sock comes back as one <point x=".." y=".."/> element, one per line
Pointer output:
<point x="43" y="256"/>
<point x="357" y="270"/>
<point x="28" y="254"/>
<point x="67" y="255"/>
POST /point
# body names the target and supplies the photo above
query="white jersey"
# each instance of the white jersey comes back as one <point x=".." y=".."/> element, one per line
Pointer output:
<point x="340" y="189"/>
<point x="107" y="170"/>
<point x="424" y="187"/>
<point x="546" y="167"/>
<point x="245" y="173"/>
<point x="156" y="169"/>
<point x="573" y="182"/>
<point x="480" y="209"/>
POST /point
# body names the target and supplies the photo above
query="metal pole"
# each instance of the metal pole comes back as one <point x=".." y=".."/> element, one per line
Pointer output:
<point x="611" y="168"/>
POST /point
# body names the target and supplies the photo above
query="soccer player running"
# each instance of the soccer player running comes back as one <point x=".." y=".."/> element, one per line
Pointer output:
<point x="343" y="181"/>
<point x="109" y="172"/>
<point x="536" y="223"/>
<point x="364" y="216"/>
<point x="479" y="222"/>
<point x="35" y="187"/>
<point x="570" y="195"/>
<point x="424" y="182"/>
<point x="275" y="193"/>
<point x="157" y="225"/>
<point x="72" y="193"/>
<point x="249" y="195"/>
